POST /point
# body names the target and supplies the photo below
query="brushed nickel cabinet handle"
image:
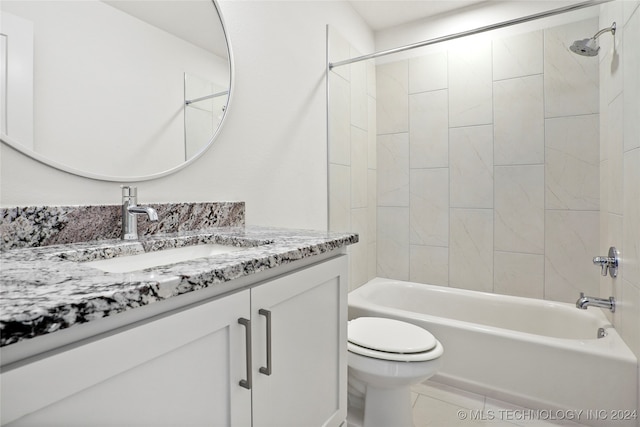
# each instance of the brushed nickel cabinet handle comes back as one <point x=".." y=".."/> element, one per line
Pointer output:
<point x="247" y="324"/>
<point x="266" y="313"/>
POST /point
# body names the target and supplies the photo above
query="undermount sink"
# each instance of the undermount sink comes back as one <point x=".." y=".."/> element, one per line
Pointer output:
<point x="129" y="263"/>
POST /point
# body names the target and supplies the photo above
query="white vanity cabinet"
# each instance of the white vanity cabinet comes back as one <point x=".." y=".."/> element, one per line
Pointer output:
<point x="185" y="368"/>
<point x="307" y="384"/>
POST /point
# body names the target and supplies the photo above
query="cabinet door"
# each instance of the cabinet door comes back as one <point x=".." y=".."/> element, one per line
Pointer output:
<point x="180" y="370"/>
<point x="307" y="384"/>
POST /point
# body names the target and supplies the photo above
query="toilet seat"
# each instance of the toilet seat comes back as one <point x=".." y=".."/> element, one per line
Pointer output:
<point x="390" y="339"/>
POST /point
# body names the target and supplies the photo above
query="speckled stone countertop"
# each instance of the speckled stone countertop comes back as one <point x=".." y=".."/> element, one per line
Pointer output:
<point x="47" y="288"/>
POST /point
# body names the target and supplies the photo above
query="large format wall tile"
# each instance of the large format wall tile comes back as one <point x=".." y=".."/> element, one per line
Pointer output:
<point x="358" y="252"/>
<point x="620" y="95"/>
<point x="339" y="197"/>
<point x="628" y="9"/>
<point x="371" y="78"/>
<point x="372" y="207"/>
<point x="428" y="72"/>
<point x="372" y="135"/>
<point x="631" y="70"/>
<point x="615" y="142"/>
<point x="429" y="212"/>
<point x="358" y="93"/>
<point x="518" y="121"/>
<point x="372" y="261"/>
<point x="572" y="172"/>
<point x="631" y="221"/>
<point x="429" y="129"/>
<point x="471" y="249"/>
<point x="519" y="274"/>
<point x="610" y="67"/>
<point x="570" y="80"/>
<point x="393" y="170"/>
<point x="339" y="120"/>
<point x="571" y="242"/>
<point x="613" y="236"/>
<point x="353" y="156"/>
<point x="630" y="315"/>
<point x="519" y="209"/>
<point x="359" y="179"/>
<point x="470" y="84"/>
<point x="392" y="89"/>
<point x="517" y="56"/>
<point x="429" y="264"/>
<point x="393" y="243"/>
<point x="471" y="166"/>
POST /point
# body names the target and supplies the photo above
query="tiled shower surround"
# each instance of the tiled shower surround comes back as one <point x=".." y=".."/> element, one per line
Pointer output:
<point x="352" y="157"/>
<point x="620" y="163"/>
<point x="501" y="164"/>
<point x="488" y="174"/>
<point x="488" y="165"/>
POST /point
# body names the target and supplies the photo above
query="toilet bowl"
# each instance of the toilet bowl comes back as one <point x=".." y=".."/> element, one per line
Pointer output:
<point x="385" y="358"/>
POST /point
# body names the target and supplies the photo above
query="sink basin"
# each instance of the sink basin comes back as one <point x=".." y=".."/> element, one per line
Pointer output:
<point x="126" y="264"/>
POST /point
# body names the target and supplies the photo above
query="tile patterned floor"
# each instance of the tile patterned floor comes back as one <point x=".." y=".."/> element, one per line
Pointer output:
<point x="438" y="405"/>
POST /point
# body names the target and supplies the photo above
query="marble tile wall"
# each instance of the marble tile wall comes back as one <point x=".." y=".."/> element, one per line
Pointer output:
<point x="353" y="157"/>
<point x="489" y="166"/>
<point x="619" y="160"/>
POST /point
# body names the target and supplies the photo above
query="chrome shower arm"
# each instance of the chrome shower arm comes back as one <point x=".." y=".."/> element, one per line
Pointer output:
<point x="612" y="28"/>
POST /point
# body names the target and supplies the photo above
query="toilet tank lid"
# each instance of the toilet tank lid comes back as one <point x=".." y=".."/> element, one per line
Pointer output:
<point x="389" y="335"/>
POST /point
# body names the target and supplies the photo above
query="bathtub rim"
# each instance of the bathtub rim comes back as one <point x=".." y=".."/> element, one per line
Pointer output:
<point x="610" y="346"/>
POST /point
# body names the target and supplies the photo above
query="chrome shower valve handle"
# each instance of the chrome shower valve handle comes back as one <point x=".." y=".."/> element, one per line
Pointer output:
<point x="609" y="263"/>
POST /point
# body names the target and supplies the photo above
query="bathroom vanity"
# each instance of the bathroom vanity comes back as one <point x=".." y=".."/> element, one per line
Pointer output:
<point x="250" y="337"/>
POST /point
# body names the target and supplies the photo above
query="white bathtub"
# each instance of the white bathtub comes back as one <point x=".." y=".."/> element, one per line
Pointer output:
<point x="538" y="354"/>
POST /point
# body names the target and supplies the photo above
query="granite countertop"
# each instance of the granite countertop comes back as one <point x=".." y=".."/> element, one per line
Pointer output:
<point x="47" y="288"/>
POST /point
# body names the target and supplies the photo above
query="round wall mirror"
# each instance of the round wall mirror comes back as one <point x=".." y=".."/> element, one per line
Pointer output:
<point x="116" y="90"/>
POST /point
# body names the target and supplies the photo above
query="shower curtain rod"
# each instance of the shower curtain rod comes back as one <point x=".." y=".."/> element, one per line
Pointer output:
<point x="202" y="98"/>
<point x="478" y="30"/>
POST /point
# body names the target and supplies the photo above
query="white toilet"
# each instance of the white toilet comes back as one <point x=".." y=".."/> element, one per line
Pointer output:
<point x="386" y="357"/>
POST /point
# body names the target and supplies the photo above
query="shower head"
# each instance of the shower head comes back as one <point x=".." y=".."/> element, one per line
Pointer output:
<point x="585" y="47"/>
<point x="589" y="47"/>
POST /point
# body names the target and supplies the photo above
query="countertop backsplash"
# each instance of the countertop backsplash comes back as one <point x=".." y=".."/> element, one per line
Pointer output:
<point x="34" y="226"/>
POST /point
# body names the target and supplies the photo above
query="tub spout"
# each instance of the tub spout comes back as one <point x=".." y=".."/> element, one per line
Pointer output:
<point x="585" y="301"/>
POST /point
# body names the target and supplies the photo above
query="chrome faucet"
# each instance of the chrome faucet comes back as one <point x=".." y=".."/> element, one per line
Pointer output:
<point x="130" y="209"/>
<point x="584" y="302"/>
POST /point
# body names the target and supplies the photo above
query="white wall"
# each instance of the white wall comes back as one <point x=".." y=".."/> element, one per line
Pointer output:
<point x="271" y="152"/>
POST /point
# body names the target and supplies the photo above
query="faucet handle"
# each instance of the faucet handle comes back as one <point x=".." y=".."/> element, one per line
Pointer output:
<point x="129" y="191"/>
<point x="609" y="263"/>
<point x="603" y="261"/>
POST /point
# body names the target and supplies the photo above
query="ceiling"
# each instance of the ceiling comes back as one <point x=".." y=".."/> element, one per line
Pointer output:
<point x="381" y="14"/>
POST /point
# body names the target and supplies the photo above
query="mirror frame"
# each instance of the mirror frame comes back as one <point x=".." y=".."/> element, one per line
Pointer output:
<point x="5" y="139"/>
